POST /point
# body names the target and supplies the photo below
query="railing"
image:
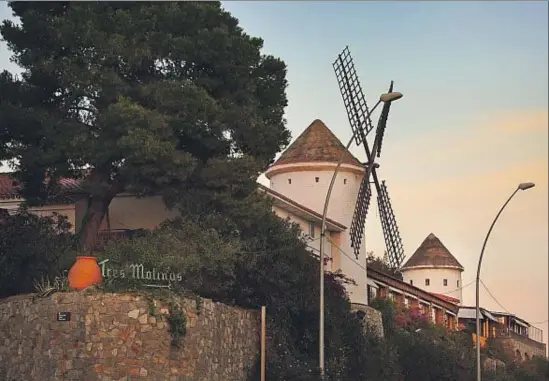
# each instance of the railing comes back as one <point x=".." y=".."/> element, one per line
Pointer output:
<point x="508" y="333"/>
<point x="535" y="334"/>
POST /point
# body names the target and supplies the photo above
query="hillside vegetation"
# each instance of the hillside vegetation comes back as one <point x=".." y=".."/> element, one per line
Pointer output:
<point x="266" y="264"/>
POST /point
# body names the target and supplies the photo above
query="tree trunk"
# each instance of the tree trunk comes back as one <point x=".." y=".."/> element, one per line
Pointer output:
<point x="97" y="209"/>
<point x="98" y="206"/>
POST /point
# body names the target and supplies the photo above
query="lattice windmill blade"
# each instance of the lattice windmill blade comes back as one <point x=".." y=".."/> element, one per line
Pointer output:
<point x="393" y="241"/>
<point x="359" y="216"/>
<point x="382" y="123"/>
<point x="353" y="97"/>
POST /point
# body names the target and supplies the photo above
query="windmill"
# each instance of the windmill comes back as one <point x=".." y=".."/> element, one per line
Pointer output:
<point x="361" y="124"/>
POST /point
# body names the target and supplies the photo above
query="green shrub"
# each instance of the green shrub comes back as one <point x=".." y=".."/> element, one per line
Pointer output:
<point x="265" y="263"/>
<point x="32" y="249"/>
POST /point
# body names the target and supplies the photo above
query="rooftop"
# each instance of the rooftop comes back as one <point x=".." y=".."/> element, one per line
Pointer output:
<point x="447" y="298"/>
<point x="316" y="144"/>
<point x="10" y="187"/>
<point x="300" y="209"/>
<point x="432" y="253"/>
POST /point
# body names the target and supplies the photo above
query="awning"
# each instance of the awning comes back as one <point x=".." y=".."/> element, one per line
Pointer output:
<point x="518" y="322"/>
<point x="489" y="316"/>
<point x="471" y="313"/>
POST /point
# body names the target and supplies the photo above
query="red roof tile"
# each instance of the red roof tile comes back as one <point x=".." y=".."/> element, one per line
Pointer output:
<point x="9" y="187"/>
<point x="447" y="298"/>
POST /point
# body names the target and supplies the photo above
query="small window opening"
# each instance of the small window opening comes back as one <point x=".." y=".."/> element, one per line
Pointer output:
<point x="312" y="229"/>
<point x="289" y="181"/>
<point x="344" y="181"/>
<point x="427" y="281"/>
<point x="445" y="282"/>
<point x="411" y="282"/>
<point x="457" y="283"/>
<point x="316" y="179"/>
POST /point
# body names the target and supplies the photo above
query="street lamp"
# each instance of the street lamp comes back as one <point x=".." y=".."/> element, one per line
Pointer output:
<point x="385" y="98"/>
<point x="521" y="186"/>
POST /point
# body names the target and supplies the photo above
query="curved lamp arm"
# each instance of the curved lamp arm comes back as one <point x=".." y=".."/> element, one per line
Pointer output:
<point x="522" y="186"/>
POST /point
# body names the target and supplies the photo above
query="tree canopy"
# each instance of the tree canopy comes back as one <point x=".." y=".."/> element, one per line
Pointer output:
<point x="142" y="97"/>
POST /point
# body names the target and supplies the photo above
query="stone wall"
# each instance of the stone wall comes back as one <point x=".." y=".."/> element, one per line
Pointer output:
<point x="116" y="337"/>
<point x="526" y="347"/>
<point x="493" y="365"/>
<point x="373" y="319"/>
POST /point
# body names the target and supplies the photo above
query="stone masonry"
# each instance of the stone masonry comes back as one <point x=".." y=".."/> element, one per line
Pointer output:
<point x="372" y="318"/>
<point x="116" y="337"/>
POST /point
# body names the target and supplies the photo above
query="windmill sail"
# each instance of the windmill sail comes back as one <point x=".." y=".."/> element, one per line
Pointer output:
<point x="361" y="124"/>
<point x="353" y="97"/>
<point x="382" y="123"/>
<point x="359" y="216"/>
<point x="393" y="242"/>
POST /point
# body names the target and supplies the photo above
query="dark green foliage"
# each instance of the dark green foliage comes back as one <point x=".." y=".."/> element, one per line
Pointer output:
<point x="535" y="369"/>
<point x="388" y="311"/>
<point x="382" y="265"/>
<point x="177" y="321"/>
<point x="32" y="248"/>
<point x="149" y="96"/>
<point x="250" y="257"/>
<point x="433" y="355"/>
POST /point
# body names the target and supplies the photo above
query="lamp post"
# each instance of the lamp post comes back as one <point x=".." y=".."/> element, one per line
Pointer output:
<point x="521" y="186"/>
<point x="385" y="98"/>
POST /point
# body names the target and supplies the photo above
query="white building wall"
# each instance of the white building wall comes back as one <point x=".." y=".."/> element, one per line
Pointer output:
<point x="131" y="212"/>
<point x="67" y="210"/>
<point x="313" y="239"/>
<point x="309" y="188"/>
<point x="436" y="278"/>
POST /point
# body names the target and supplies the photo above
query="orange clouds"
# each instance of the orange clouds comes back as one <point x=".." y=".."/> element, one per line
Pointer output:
<point x="536" y="121"/>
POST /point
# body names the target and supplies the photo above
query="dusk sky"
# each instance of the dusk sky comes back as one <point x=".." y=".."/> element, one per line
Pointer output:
<point x="473" y="122"/>
<point x="472" y="125"/>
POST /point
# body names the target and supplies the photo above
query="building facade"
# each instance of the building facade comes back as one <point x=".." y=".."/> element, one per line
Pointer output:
<point x="438" y="310"/>
<point x="522" y="340"/>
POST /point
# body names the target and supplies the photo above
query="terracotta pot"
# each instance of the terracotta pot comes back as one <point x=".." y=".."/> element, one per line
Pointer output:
<point x="84" y="273"/>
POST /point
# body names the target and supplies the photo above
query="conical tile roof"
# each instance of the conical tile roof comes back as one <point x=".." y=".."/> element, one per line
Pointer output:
<point x="316" y="144"/>
<point x="432" y="253"/>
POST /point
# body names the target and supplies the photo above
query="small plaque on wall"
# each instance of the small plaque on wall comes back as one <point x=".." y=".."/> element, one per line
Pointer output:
<point x="63" y="316"/>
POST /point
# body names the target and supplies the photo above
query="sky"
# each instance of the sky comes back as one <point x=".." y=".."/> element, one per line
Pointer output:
<point x="472" y="125"/>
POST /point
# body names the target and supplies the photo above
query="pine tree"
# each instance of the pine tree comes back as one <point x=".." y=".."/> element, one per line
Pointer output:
<point x="140" y="97"/>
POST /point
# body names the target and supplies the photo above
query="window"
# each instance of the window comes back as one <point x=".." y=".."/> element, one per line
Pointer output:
<point x="372" y="294"/>
<point x="457" y="284"/>
<point x="445" y="282"/>
<point x="344" y="181"/>
<point x="312" y="229"/>
<point x="289" y="181"/>
<point x="427" y="281"/>
<point x="411" y="282"/>
<point x="317" y="179"/>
